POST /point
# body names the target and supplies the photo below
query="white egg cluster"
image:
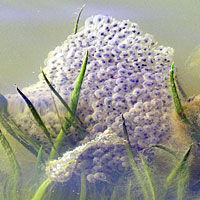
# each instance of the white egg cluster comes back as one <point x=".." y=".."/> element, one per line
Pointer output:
<point x="62" y="169"/>
<point x="127" y="72"/>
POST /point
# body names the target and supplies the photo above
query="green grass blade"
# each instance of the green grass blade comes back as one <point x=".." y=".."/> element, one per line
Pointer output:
<point x="128" y="194"/>
<point x="77" y="88"/>
<point x="79" y="129"/>
<point x="149" y="181"/>
<point x="83" y="187"/>
<point x="168" y="150"/>
<point x="9" y="152"/>
<point x="34" y="183"/>
<point x="15" y="177"/>
<point x="59" y="118"/>
<point x="73" y="105"/>
<point x="12" y="128"/>
<point x="38" y="166"/>
<point x="61" y="99"/>
<point x="58" y="143"/>
<point x="179" y="109"/>
<point x="176" y="99"/>
<point x="182" y="183"/>
<point x="133" y="163"/>
<point x="36" y="116"/>
<point x="180" y="168"/>
<point x="177" y="181"/>
<point x="77" y="20"/>
<point x="42" y="190"/>
<point x="31" y="142"/>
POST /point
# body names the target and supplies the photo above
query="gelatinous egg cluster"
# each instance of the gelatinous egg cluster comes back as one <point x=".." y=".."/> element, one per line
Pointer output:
<point x="127" y="73"/>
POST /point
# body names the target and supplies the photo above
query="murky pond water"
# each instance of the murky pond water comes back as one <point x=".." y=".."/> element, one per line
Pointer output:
<point x="127" y="73"/>
<point x="30" y="30"/>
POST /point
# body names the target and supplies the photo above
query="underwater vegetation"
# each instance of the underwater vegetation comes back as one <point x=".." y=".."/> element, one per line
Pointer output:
<point x="105" y="121"/>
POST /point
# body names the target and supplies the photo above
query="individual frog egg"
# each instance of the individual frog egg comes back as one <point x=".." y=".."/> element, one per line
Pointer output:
<point x="139" y="120"/>
<point x="91" y="178"/>
<point x="99" y="176"/>
<point x="138" y="106"/>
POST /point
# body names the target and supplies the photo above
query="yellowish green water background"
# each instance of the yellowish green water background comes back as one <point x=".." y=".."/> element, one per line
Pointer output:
<point x="30" y="29"/>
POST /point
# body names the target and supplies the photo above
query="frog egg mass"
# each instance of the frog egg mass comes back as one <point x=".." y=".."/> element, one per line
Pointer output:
<point x="127" y="72"/>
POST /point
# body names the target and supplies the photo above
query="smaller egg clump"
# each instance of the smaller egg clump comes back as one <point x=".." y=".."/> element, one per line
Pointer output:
<point x="127" y="72"/>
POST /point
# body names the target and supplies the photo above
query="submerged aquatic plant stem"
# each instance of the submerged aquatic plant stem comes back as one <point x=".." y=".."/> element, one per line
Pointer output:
<point x="12" y="128"/>
<point x="77" y="20"/>
<point x="67" y="125"/>
<point x="11" y="156"/>
<point x="74" y="117"/>
<point x="61" y="136"/>
<point x="38" y="166"/>
<point x="194" y="131"/>
<point x="149" y="180"/>
<point x="16" y="172"/>
<point x="128" y="194"/>
<point x="42" y="190"/>
<point x="83" y="187"/>
<point x="164" y="148"/>
<point x="36" y="117"/>
<point x="132" y="161"/>
<point x="176" y="99"/>
<point x="179" y="176"/>
<point x="77" y="88"/>
<point x="180" y="167"/>
<point x="73" y="106"/>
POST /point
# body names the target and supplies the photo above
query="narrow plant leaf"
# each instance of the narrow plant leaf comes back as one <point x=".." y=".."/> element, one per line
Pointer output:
<point x="73" y="106"/>
<point x="74" y="117"/>
<point x="180" y="168"/>
<point x="77" y="20"/>
<point x="51" y="192"/>
<point x="31" y="142"/>
<point x="79" y="129"/>
<point x="36" y="116"/>
<point x="42" y="190"/>
<point x="14" y="179"/>
<point x="4" y="178"/>
<point x="176" y="99"/>
<point x="181" y="186"/>
<point x="59" y="118"/>
<point x="128" y="194"/>
<point x="12" y="128"/>
<point x="9" y="152"/>
<point x="83" y="187"/>
<point x="38" y="167"/>
<point x="77" y="88"/>
<point x="194" y="131"/>
<point x="132" y="161"/>
<point x="168" y="150"/>
<point x="149" y="181"/>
